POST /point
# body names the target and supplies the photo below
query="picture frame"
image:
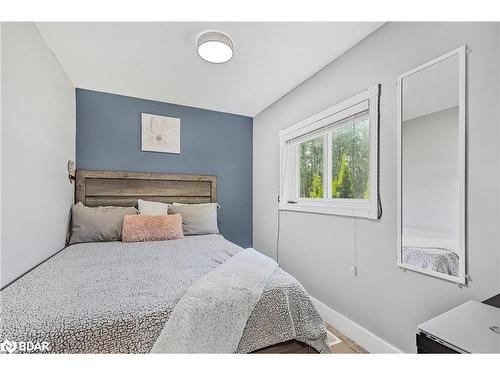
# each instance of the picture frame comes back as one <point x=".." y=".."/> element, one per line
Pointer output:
<point x="160" y="133"/>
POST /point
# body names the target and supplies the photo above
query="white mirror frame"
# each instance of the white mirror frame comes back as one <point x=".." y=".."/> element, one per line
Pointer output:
<point x="461" y="53"/>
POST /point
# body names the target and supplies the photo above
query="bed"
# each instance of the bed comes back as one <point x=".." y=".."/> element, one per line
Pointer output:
<point x="430" y="250"/>
<point x="115" y="297"/>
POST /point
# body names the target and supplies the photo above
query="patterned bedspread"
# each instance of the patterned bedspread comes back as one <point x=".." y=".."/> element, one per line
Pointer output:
<point x="431" y="258"/>
<point x="116" y="297"/>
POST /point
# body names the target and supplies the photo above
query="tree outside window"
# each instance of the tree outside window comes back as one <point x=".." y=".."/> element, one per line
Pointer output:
<point x="311" y="168"/>
<point x="350" y="150"/>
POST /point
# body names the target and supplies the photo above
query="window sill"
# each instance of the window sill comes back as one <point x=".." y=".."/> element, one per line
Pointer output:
<point x="330" y="209"/>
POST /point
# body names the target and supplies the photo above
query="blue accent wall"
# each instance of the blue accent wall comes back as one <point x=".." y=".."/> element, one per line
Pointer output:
<point x="108" y="137"/>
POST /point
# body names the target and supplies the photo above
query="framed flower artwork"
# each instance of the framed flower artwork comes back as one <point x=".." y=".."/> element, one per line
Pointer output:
<point x="160" y="134"/>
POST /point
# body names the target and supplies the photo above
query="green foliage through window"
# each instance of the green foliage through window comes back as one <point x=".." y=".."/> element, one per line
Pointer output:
<point x="311" y="168"/>
<point x="350" y="150"/>
<point x="342" y="185"/>
<point x="316" y="187"/>
<point x="350" y="160"/>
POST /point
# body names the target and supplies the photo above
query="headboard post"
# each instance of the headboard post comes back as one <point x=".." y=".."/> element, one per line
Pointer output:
<point x="80" y="187"/>
<point x="110" y="188"/>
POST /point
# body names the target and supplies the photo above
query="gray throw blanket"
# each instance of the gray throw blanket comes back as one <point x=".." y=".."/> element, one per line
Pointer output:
<point x="211" y="316"/>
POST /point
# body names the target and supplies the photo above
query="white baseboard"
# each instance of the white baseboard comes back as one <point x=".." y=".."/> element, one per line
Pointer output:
<point x="354" y="331"/>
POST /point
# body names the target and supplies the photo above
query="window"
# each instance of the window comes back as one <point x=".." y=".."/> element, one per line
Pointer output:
<point x="328" y="163"/>
<point x="311" y="168"/>
<point x="351" y="159"/>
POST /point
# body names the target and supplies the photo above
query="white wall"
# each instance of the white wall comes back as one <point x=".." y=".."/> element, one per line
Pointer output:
<point x="430" y="172"/>
<point x="319" y="250"/>
<point x="38" y="138"/>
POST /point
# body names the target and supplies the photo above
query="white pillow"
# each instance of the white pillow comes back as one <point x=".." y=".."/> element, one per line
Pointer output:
<point x="152" y="208"/>
<point x="195" y="204"/>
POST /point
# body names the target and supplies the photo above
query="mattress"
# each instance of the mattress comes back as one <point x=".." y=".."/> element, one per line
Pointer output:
<point x="116" y="297"/>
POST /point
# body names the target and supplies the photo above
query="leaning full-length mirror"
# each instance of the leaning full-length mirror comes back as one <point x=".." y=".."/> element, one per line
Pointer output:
<point x="431" y="145"/>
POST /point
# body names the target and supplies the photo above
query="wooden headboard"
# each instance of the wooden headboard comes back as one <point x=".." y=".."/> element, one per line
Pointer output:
<point x="107" y="188"/>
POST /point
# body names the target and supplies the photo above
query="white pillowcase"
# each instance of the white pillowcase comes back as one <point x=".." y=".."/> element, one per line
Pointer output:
<point x="152" y="208"/>
<point x="195" y="204"/>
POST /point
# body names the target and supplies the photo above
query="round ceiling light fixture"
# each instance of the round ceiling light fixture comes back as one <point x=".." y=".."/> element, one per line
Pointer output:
<point x="215" y="46"/>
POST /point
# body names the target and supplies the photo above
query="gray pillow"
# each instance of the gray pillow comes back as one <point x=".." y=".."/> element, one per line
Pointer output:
<point x="97" y="224"/>
<point x="197" y="219"/>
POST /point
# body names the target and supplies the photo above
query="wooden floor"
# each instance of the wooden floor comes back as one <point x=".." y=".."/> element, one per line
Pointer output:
<point x="347" y="346"/>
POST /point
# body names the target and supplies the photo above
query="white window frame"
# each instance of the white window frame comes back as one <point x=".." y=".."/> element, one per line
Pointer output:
<point x="318" y="125"/>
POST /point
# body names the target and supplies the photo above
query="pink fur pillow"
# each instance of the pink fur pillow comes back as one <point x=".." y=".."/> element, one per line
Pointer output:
<point x="138" y="228"/>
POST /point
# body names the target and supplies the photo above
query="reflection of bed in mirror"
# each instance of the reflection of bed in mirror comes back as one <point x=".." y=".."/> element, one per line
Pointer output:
<point x="430" y="250"/>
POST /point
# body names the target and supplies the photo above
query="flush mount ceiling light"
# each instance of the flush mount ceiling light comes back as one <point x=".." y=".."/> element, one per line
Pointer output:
<point x="215" y="46"/>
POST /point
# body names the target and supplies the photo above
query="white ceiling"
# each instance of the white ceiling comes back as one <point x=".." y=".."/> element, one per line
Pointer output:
<point x="159" y="61"/>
